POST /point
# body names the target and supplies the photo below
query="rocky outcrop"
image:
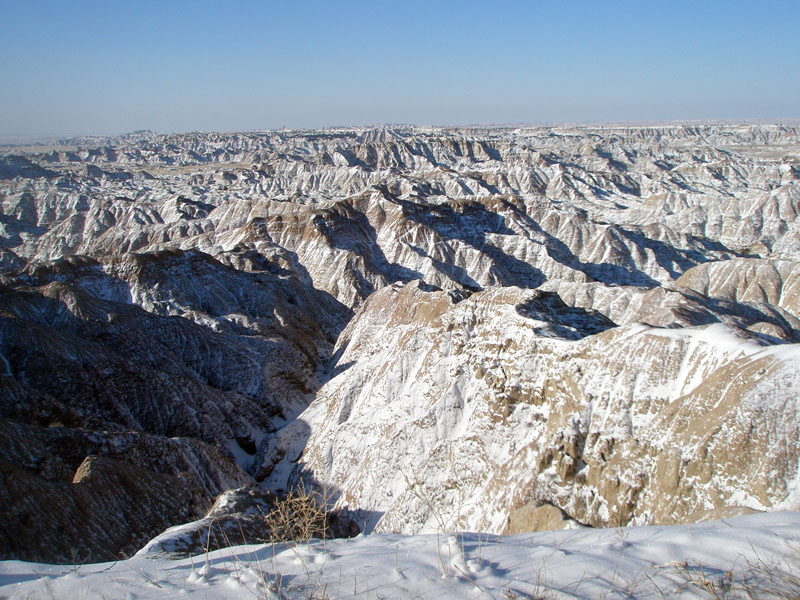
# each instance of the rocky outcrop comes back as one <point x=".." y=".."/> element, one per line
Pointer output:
<point x="455" y="415"/>
<point x="110" y="510"/>
<point x="72" y="495"/>
<point x="129" y="387"/>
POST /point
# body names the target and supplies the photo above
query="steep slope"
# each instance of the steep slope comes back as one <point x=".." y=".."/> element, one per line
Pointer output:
<point x="73" y="495"/>
<point x="772" y="282"/>
<point x="454" y="415"/>
<point x="118" y="375"/>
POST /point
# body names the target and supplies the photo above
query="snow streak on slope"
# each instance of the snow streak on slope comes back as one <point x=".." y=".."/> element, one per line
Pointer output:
<point x="460" y="415"/>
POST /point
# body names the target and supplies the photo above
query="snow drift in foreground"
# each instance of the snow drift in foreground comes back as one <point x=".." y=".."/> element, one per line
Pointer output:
<point x="750" y="556"/>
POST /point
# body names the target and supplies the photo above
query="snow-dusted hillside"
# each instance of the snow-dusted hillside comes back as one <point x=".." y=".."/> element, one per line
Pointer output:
<point x="470" y="415"/>
<point x="490" y="329"/>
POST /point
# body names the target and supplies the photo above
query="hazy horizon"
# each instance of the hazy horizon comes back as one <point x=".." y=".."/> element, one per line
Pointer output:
<point x="33" y="139"/>
<point x="110" y="68"/>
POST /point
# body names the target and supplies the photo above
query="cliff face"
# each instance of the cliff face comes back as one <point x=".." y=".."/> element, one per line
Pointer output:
<point x="170" y="345"/>
<point x="459" y="415"/>
<point x="74" y="495"/>
<point x="488" y="329"/>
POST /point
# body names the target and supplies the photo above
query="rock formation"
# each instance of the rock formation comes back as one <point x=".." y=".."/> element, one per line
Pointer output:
<point x="495" y="329"/>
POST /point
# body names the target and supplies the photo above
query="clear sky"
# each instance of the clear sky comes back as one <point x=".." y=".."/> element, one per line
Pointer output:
<point x="85" y="66"/>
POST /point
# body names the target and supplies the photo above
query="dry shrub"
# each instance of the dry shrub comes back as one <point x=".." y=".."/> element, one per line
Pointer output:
<point x="298" y="516"/>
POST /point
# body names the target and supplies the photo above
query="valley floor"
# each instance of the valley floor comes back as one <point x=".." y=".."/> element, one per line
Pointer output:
<point x="753" y="556"/>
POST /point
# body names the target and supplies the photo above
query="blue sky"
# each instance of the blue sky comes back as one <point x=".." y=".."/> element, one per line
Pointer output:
<point x="109" y="67"/>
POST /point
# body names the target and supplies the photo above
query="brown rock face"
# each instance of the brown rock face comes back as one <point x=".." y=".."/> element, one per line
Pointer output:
<point x="207" y="354"/>
<point x="75" y="496"/>
<point x="109" y="510"/>
<point x="532" y="517"/>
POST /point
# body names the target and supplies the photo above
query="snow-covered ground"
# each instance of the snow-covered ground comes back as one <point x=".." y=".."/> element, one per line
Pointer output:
<point x="756" y="555"/>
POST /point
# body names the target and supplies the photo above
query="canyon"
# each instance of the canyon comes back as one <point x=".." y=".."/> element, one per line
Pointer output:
<point x="498" y="329"/>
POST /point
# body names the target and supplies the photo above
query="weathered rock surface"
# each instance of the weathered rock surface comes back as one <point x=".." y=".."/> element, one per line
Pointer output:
<point x="214" y="358"/>
<point x="544" y="326"/>
<point x="72" y="495"/>
<point x="132" y="364"/>
<point x="454" y="415"/>
<point x="756" y="281"/>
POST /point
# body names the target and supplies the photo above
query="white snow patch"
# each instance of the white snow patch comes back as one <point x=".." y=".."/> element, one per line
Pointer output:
<point x="634" y="562"/>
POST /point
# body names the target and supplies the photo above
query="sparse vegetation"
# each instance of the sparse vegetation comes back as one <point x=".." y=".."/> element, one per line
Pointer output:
<point x="298" y="516"/>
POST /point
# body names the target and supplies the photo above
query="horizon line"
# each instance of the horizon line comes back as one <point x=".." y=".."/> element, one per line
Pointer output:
<point x="16" y="139"/>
